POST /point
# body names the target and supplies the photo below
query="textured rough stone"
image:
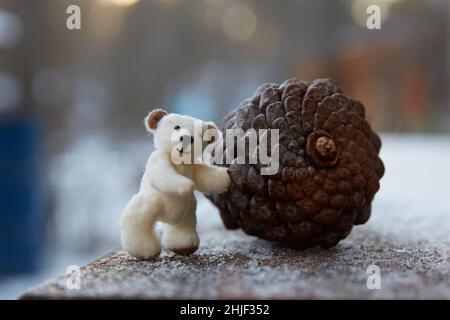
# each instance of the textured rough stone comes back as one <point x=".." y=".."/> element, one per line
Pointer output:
<point x="241" y="267"/>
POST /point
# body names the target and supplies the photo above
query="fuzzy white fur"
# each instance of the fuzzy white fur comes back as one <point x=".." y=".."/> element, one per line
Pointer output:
<point x="166" y="193"/>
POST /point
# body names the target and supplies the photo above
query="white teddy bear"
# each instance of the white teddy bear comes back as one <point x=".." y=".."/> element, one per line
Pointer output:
<point x="166" y="192"/>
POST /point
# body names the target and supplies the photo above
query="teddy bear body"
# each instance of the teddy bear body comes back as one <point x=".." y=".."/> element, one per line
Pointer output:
<point x="166" y="193"/>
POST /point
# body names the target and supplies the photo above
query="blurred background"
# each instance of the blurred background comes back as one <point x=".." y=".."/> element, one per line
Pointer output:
<point x="72" y="141"/>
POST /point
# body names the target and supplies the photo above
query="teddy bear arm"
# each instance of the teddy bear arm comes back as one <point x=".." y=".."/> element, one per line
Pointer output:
<point x="163" y="177"/>
<point x="209" y="178"/>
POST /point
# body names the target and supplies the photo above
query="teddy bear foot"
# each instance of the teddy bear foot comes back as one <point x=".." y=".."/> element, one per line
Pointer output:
<point x="180" y="240"/>
<point x="184" y="251"/>
<point x="141" y="247"/>
<point x="148" y="255"/>
<point x="144" y="253"/>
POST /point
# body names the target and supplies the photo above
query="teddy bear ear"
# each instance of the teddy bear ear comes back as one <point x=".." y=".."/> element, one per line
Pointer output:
<point x="212" y="133"/>
<point x="152" y="119"/>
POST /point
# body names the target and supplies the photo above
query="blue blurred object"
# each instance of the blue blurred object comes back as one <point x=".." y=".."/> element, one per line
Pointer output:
<point x="21" y="226"/>
<point x="195" y="105"/>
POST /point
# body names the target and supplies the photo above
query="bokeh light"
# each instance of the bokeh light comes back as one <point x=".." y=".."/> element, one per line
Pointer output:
<point x="11" y="29"/>
<point x="239" y="22"/>
<point x="122" y="3"/>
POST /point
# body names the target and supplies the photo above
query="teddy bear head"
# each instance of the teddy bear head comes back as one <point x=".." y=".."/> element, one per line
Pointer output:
<point x="180" y="133"/>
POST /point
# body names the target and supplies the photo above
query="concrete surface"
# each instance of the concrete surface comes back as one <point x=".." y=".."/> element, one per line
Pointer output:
<point x="407" y="237"/>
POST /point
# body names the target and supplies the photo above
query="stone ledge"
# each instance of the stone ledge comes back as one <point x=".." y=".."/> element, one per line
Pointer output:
<point x="243" y="267"/>
<point x="408" y="237"/>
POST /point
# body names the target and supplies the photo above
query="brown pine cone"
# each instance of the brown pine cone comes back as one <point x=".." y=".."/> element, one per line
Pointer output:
<point x="329" y="166"/>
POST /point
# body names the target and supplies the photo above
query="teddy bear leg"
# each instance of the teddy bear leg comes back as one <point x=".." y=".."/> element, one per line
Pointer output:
<point x="138" y="233"/>
<point x="182" y="238"/>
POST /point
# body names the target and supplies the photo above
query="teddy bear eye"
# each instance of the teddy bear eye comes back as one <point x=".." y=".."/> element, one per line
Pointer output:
<point x="176" y="127"/>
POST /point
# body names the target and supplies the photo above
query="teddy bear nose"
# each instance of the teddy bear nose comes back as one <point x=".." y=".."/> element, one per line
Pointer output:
<point x="182" y="138"/>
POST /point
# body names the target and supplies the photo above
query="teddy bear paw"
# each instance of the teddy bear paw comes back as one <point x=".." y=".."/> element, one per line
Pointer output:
<point x="182" y="243"/>
<point x="184" y="251"/>
<point x="142" y="248"/>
